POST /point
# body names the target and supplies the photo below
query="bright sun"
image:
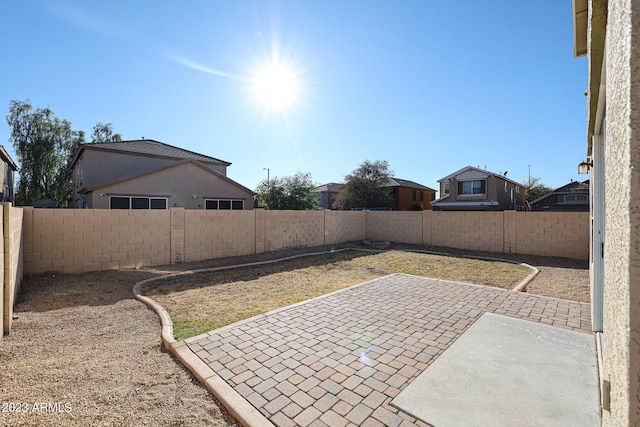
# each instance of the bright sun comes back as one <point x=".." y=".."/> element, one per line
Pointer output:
<point x="276" y="87"/>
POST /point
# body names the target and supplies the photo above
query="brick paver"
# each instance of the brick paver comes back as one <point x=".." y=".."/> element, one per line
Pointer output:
<point x="341" y="359"/>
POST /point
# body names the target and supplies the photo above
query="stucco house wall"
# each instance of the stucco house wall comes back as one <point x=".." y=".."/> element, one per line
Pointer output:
<point x="151" y="174"/>
<point x="621" y="353"/>
<point x="612" y="37"/>
<point x="186" y="185"/>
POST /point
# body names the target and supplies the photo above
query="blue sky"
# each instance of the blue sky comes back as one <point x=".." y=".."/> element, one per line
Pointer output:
<point x="429" y="86"/>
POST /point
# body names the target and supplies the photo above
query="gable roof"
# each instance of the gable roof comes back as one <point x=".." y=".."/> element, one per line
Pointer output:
<point x="397" y="182"/>
<point x="148" y="147"/>
<point x="330" y="186"/>
<point x="483" y="171"/>
<point x="390" y="182"/>
<point x="7" y="158"/>
<point x="570" y="188"/>
<point x="160" y="169"/>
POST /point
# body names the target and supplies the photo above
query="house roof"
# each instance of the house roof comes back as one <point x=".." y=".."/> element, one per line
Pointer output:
<point x="7" y="158"/>
<point x="570" y="188"/>
<point x="397" y="182"/>
<point x="160" y="169"/>
<point x="580" y="24"/>
<point x="148" y="147"/>
<point x="330" y="186"/>
<point x="483" y="171"/>
<point x="391" y="182"/>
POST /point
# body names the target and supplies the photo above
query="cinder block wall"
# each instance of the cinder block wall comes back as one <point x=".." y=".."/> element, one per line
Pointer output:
<point x="481" y="231"/>
<point x="11" y="266"/>
<point x="216" y="234"/>
<point x="395" y="226"/>
<point x="80" y="240"/>
<point x="344" y="226"/>
<point x="553" y="234"/>
<point x="293" y="229"/>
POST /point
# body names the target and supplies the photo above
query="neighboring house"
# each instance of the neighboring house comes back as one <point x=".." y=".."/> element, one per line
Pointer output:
<point x="479" y="189"/>
<point x="326" y="194"/>
<point x="7" y="171"/>
<point x="148" y="174"/>
<point x="405" y="194"/>
<point x="410" y="195"/>
<point x="573" y="197"/>
<point x="608" y="32"/>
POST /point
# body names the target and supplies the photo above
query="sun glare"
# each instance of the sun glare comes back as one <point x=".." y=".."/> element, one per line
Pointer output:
<point x="276" y="87"/>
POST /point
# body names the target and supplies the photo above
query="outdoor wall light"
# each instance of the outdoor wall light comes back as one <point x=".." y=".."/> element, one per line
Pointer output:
<point x="195" y="196"/>
<point x="583" y="167"/>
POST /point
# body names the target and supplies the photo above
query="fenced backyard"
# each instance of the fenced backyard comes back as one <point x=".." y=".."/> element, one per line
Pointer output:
<point x="67" y="241"/>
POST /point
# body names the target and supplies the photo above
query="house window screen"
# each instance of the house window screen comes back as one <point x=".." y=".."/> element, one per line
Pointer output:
<point x="224" y="204"/>
<point x="119" y="203"/>
<point x="139" y="203"/>
<point x="158" y="203"/>
<point x="472" y="187"/>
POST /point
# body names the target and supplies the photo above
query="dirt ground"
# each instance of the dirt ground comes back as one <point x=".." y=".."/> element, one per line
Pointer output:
<point x="84" y="352"/>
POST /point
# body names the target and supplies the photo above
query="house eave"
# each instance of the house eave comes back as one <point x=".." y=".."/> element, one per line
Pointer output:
<point x="595" y="36"/>
<point x="462" y="204"/>
<point x="580" y="24"/>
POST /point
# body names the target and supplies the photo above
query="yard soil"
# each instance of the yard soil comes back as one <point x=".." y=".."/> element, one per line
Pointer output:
<point x="83" y="352"/>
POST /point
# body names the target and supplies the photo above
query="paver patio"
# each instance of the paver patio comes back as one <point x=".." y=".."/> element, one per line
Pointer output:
<point x="339" y="360"/>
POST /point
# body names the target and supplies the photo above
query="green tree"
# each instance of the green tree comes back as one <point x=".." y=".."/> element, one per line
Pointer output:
<point x="535" y="189"/>
<point x="44" y="145"/>
<point x="287" y="193"/>
<point x="103" y="132"/>
<point x="364" y="187"/>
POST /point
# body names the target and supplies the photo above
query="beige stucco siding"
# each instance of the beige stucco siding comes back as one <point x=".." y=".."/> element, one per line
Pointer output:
<point x="186" y="185"/>
<point x="98" y="166"/>
<point x="101" y="166"/>
<point x="621" y="352"/>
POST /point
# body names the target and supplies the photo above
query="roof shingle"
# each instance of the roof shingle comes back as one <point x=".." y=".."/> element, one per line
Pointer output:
<point x="153" y="148"/>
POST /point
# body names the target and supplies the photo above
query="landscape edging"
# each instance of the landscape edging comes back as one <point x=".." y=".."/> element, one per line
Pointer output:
<point x="237" y="406"/>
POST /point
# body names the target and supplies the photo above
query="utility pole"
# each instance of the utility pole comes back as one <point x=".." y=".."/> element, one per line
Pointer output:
<point x="268" y="181"/>
<point x="529" y="176"/>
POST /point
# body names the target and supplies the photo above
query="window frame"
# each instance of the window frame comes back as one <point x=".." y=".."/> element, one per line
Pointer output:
<point x="231" y="203"/>
<point x="149" y="204"/>
<point x="578" y="199"/>
<point x="482" y="190"/>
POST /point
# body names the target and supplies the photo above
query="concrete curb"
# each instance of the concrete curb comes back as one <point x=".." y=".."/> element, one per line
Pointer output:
<point x="237" y="406"/>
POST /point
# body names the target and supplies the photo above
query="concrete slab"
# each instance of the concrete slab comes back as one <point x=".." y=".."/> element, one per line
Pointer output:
<point x="509" y="372"/>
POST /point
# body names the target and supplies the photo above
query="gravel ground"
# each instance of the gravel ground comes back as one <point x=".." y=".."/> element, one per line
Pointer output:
<point x="82" y="342"/>
<point x="84" y="352"/>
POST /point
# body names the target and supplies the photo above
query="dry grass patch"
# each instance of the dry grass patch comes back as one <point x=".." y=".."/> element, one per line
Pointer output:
<point x="201" y="302"/>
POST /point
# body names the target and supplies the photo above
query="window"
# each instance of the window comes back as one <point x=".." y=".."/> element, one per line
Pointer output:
<point x="422" y="196"/>
<point x="139" y="203"/>
<point x="576" y="199"/>
<point x="446" y="188"/>
<point x="236" y="205"/>
<point x="413" y="195"/>
<point x="158" y="203"/>
<point x="472" y="187"/>
<point x="118" y="202"/>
